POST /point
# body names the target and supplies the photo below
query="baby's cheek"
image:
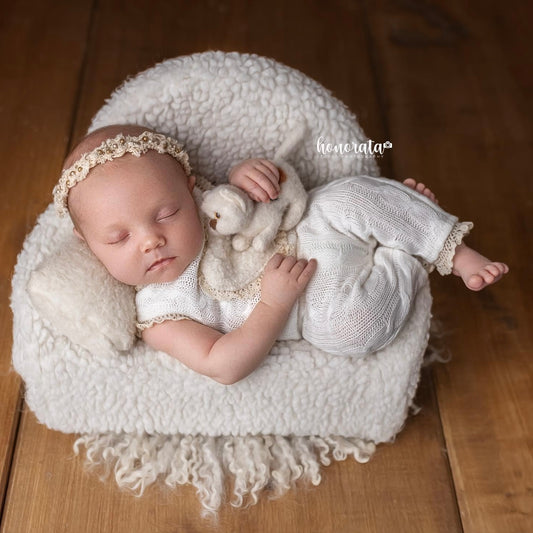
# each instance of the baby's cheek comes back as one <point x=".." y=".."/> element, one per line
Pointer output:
<point x="115" y="265"/>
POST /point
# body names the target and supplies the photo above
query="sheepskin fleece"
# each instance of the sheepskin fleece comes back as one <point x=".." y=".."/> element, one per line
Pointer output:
<point x="71" y="287"/>
<point x="223" y="107"/>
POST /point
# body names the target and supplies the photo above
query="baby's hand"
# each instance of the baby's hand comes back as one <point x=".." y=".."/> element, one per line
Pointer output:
<point x="284" y="279"/>
<point x="258" y="177"/>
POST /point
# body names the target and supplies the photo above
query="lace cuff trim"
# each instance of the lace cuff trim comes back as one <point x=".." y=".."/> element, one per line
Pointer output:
<point x="444" y="262"/>
<point x="141" y="326"/>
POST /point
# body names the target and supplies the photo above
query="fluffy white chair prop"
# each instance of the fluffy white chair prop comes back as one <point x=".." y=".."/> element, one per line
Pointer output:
<point x="145" y="410"/>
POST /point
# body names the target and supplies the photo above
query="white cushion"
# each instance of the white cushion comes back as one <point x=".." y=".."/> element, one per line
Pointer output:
<point x="74" y="292"/>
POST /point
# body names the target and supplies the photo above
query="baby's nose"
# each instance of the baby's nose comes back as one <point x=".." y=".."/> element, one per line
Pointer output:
<point x="152" y="241"/>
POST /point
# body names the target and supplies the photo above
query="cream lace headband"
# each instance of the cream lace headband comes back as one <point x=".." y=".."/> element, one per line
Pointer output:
<point x="112" y="149"/>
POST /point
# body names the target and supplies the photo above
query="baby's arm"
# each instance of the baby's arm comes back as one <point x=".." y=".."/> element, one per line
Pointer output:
<point x="228" y="358"/>
<point x="258" y="177"/>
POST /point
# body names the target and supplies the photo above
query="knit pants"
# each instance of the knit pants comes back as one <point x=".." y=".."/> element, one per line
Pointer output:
<point x="370" y="237"/>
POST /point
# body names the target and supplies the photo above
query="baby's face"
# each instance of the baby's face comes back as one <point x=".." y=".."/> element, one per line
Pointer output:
<point x="139" y="218"/>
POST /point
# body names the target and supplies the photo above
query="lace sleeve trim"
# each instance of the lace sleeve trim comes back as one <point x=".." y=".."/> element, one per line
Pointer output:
<point x="444" y="262"/>
<point x="141" y="326"/>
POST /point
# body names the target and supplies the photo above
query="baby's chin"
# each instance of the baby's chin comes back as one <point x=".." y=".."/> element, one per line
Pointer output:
<point x="143" y="279"/>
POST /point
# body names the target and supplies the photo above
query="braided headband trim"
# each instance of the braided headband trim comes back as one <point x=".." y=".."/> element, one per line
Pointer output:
<point x="112" y="149"/>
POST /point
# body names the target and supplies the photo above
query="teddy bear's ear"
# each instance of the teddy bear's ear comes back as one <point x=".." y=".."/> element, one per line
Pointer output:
<point x="235" y="198"/>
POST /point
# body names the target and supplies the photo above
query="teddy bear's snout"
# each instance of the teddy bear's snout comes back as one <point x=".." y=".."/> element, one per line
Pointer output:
<point x="213" y="223"/>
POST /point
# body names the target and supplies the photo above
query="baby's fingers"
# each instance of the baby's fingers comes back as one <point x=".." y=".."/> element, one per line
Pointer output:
<point x="271" y="171"/>
<point x="274" y="262"/>
<point x="288" y="263"/>
<point x="266" y="175"/>
<point x="302" y="271"/>
<point x="255" y="191"/>
<point x="298" y="267"/>
<point x="308" y="268"/>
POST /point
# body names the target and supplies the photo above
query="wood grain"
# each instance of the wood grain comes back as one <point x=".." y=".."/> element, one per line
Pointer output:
<point x="41" y="52"/>
<point x="334" y="506"/>
<point x="450" y="87"/>
<point x="403" y="488"/>
<point x="469" y="139"/>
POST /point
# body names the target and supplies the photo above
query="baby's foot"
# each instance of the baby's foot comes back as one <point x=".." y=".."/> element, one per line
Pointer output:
<point x="421" y="188"/>
<point x="476" y="270"/>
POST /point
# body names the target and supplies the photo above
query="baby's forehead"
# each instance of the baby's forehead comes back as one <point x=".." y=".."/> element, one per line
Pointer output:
<point x="112" y="190"/>
<point x="151" y="174"/>
<point x="130" y="171"/>
<point x="107" y="150"/>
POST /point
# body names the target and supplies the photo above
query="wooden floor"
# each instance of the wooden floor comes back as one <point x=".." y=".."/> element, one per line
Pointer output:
<point x="450" y="84"/>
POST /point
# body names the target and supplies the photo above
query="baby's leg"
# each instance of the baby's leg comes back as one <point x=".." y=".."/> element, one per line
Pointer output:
<point x="476" y="270"/>
<point x="353" y="309"/>
<point x="385" y="212"/>
<point x="397" y="216"/>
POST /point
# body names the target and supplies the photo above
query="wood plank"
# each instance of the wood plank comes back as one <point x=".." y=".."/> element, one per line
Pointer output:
<point x="40" y="56"/>
<point x="460" y="121"/>
<point x="382" y="495"/>
<point x="277" y="32"/>
<point x="492" y="444"/>
<point x="407" y="486"/>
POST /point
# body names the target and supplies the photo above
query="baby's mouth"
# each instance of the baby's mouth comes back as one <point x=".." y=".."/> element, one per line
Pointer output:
<point x="160" y="264"/>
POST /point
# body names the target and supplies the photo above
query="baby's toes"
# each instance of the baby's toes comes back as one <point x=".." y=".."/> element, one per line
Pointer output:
<point x="502" y="267"/>
<point x="429" y="194"/>
<point x="421" y="188"/>
<point x="497" y="270"/>
<point x="479" y="281"/>
<point x="476" y="282"/>
<point x="490" y="273"/>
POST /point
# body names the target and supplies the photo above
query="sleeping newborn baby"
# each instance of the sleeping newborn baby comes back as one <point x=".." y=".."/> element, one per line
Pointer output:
<point x="131" y="195"/>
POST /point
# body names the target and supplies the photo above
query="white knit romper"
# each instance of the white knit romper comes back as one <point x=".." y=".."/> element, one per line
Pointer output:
<point x="374" y="240"/>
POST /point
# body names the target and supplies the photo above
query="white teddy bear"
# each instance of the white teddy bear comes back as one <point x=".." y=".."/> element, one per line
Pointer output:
<point x="232" y="212"/>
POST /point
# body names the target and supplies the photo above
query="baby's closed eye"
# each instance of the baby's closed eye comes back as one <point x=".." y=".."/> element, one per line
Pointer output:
<point x="118" y="239"/>
<point x="168" y="214"/>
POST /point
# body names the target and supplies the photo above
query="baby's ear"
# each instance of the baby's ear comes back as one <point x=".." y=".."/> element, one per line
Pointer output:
<point x="191" y="182"/>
